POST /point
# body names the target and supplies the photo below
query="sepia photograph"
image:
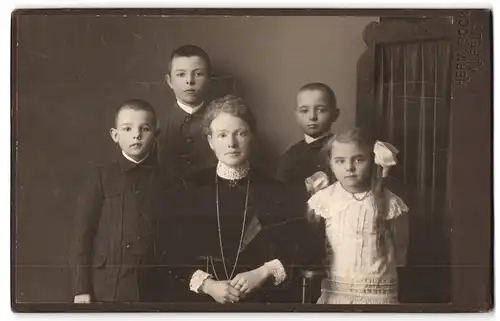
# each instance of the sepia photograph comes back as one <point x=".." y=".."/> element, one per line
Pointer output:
<point x="251" y="160"/>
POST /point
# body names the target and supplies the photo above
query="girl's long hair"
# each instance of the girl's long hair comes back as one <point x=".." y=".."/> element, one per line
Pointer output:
<point x="364" y="140"/>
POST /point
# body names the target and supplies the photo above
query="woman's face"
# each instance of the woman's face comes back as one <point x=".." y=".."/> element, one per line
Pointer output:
<point x="230" y="139"/>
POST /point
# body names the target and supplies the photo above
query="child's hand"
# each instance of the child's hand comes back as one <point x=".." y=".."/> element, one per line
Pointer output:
<point x="82" y="298"/>
<point x="317" y="182"/>
<point x="221" y="291"/>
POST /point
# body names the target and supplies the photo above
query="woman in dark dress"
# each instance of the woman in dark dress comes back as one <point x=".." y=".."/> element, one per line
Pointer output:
<point x="236" y="228"/>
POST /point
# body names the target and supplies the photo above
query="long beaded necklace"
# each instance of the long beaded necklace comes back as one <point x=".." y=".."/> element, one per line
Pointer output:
<point x="229" y="277"/>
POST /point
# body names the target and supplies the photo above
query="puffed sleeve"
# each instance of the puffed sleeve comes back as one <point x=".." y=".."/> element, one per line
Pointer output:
<point x="398" y="222"/>
<point x="396" y="206"/>
<point x="316" y="204"/>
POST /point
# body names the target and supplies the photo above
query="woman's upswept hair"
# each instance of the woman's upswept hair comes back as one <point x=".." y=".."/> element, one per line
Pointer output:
<point x="230" y="104"/>
<point x="366" y="141"/>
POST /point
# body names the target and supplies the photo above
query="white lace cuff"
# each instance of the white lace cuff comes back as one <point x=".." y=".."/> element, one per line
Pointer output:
<point x="197" y="280"/>
<point x="277" y="270"/>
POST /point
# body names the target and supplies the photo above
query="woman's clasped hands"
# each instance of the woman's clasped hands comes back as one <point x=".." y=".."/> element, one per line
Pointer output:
<point x="237" y="289"/>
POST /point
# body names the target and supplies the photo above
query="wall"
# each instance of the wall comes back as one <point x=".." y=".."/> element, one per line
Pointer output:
<point x="73" y="70"/>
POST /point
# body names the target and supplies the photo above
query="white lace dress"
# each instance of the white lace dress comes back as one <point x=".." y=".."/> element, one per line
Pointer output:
<point x="362" y="269"/>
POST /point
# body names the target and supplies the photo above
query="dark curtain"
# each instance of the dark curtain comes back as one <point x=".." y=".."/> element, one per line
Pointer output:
<point x="412" y="110"/>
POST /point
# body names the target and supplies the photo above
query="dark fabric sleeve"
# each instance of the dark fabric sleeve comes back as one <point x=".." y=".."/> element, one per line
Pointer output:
<point x="301" y="244"/>
<point x="86" y="220"/>
<point x="286" y="244"/>
<point x="282" y="222"/>
<point x="308" y="237"/>
<point x="283" y="244"/>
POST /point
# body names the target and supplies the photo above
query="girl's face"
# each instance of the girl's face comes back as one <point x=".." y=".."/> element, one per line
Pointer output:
<point x="230" y="139"/>
<point x="351" y="165"/>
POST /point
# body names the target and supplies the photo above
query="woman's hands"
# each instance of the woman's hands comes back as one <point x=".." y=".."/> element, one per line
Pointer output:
<point x="221" y="291"/>
<point x="238" y="288"/>
<point x="248" y="282"/>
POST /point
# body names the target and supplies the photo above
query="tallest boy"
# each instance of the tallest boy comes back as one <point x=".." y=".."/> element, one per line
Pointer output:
<point x="182" y="147"/>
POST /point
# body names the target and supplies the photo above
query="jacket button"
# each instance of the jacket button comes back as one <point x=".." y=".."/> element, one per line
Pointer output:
<point x="189" y="140"/>
<point x="128" y="246"/>
<point x="138" y="238"/>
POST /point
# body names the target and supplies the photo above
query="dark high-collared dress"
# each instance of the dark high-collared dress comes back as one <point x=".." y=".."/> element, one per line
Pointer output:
<point x="269" y="232"/>
<point x="115" y="232"/>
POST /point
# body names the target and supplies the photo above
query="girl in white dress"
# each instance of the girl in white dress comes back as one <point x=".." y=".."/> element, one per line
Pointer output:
<point x="366" y="224"/>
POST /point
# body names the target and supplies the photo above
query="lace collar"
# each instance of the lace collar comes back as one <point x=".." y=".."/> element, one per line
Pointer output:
<point x="233" y="173"/>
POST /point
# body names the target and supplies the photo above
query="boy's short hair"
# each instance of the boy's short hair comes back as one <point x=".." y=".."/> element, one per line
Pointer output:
<point x="230" y="104"/>
<point x="190" y="51"/>
<point x="329" y="93"/>
<point x="137" y="104"/>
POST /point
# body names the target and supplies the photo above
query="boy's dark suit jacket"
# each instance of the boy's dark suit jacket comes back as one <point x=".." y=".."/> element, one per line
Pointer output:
<point x="183" y="149"/>
<point x="115" y="228"/>
<point x="191" y="234"/>
<point x="302" y="160"/>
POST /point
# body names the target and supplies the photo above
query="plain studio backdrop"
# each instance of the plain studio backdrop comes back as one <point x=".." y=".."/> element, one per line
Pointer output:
<point x="73" y="70"/>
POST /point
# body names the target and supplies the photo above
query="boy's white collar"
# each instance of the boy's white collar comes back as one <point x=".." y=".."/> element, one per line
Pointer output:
<point x="189" y="109"/>
<point x="310" y="139"/>
<point x="133" y="160"/>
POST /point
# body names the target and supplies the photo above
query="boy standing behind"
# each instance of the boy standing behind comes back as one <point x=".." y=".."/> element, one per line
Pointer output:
<point x="183" y="149"/>
<point x="315" y="113"/>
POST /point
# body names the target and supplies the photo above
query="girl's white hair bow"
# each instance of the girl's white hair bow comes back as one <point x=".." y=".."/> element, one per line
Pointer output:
<point x="385" y="156"/>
